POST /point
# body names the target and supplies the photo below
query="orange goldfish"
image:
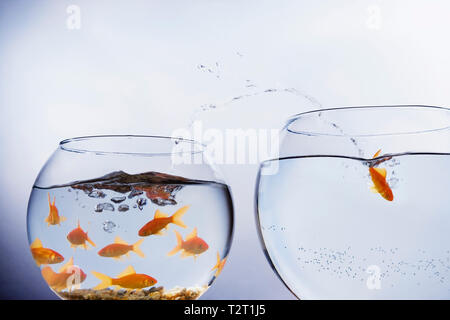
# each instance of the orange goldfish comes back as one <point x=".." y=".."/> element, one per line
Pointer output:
<point x="120" y="248"/>
<point x="64" y="278"/>
<point x="161" y="221"/>
<point x="128" y="279"/>
<point x="156" y="192"/>
<point x="44" y="255"/>
<point x="219" y="265"/>
<point x="53" y="216"/>
<point x="192" y="246"/>
<point x="77" y="237"/>
<point x="380" y="185"/>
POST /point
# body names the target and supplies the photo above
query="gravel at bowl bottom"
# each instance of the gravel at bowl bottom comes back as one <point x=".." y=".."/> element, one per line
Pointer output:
<point x="154" y="293"/>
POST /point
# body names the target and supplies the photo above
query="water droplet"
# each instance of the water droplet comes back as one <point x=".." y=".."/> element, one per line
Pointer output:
<point x="97" y="194"/>
<point x="141" y="202"/>
<point x="134" y="193"/>
<point x="118" y="199"/>
<point x="104" y="206"/>
<point x="123" y="208"/>
<point x="109" y="226"/>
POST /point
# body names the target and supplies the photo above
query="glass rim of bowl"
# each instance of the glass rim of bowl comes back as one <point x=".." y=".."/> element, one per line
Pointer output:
<point x="303" y="115"/>
<point x="195" y="147"/>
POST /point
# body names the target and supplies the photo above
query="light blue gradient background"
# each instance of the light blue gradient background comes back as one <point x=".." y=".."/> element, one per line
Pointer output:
<point x="132" y="68"/>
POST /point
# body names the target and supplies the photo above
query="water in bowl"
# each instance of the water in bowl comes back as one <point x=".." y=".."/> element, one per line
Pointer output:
<point x="113" y="209"/>
<point x="329" y="236"/>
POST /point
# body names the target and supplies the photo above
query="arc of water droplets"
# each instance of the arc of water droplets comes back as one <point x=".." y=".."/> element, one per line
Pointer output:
<point x="294" y="91"/>
<point x="215" y="70"/>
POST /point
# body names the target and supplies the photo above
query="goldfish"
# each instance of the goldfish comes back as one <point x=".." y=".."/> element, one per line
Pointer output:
<point x="77" y="237"/>
<point x="161" y="221"/>
<point x="128" y="279"/>
<point x="192" y="246"/>
<point x="53" y="217"/>
<point x="219" y="265"/>
<point x="43" y="255"/>
<point x="156" y="192"/>
<point x="65" y="277"/>
<point x="159" y="193"/>
<point x="380" y="185"/>
<point x="120" y="248"/>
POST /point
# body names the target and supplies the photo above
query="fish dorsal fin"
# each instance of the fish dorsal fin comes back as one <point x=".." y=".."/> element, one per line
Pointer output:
<point x="119" y="240"/>
<point x="128" y="271"/>
<point x="66" y="266"/>
<point x="78" y="223"/>
<point x="377" y="153"/>
<point x="192" y="235"/>
<point x="159" y="214"/>
<point x="36" y="244"/>
<point x="381" y="171"/>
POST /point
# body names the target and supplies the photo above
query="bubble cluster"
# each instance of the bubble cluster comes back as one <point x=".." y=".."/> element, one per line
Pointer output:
<point x="109" y="226"/>
<point x="346" y="264"/>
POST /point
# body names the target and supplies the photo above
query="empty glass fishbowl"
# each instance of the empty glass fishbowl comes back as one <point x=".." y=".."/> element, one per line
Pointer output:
<point x="129" y="217"/>
<point x="357" y="205"/>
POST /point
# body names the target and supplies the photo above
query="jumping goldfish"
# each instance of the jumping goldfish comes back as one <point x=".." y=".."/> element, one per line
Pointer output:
<point x="120" y="248"/>
<point x="77" y="237"/>
<point x="192" y="246"/>
<point x="380" y="185"/>
<point x="161" y="221"/>
<point x="44" y="255"/>
<point x="128" y="279"/>
<point x="53" y="217"/>
<point x="219" y="265"/>
<point x="66" y="276"/>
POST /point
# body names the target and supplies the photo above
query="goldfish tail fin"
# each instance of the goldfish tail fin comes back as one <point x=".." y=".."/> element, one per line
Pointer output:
<point x="137" y="250"/>
<point x="90" y="241"/>
<point x="67" y="266"/>
<point x="105" y="280"/>
<point x="377" y="153"/>
<point x="37" y="243"/>
<point x="178" y="246"/>
<point x="47" y="274"/>
<point x="176" y="217"/>
<point x="218" y="262"/>
<point x="49" y="200"/>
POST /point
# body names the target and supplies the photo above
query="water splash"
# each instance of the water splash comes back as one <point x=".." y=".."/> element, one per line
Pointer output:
<point x="214" y="70"/>
<point x="251" y="88"/>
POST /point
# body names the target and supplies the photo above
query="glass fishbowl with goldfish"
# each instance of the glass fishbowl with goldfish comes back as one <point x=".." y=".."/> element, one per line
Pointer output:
<point x="129" y="217"/>
<point x="356" y="206"/>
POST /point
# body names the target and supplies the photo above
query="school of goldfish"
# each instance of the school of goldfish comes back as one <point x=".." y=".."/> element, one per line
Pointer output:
<point x="193" y="246"/>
